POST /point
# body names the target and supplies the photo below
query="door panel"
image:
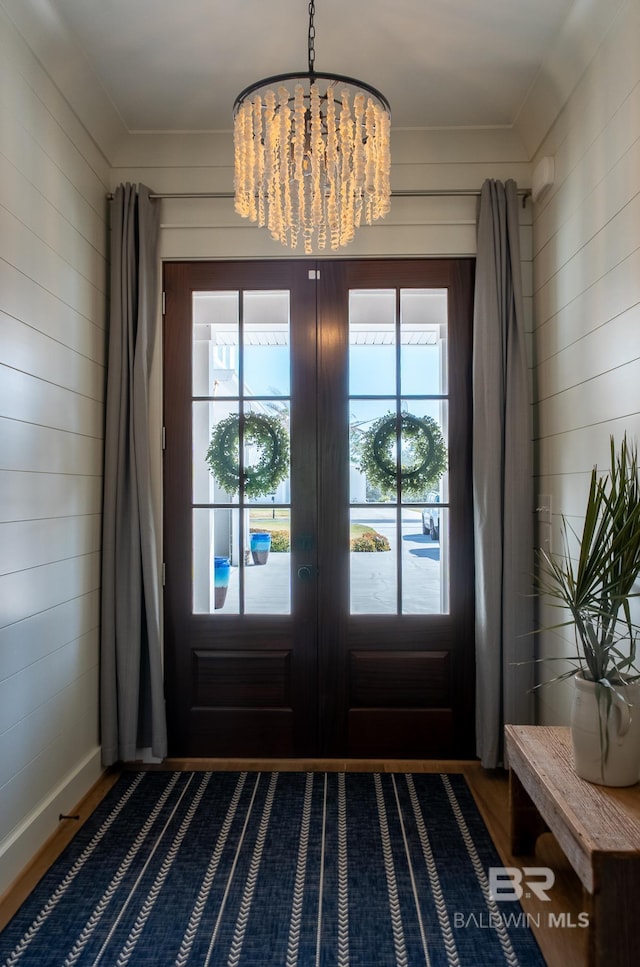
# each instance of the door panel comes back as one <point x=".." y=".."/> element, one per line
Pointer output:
<point x="357" y="648"/>
<point x="240" y="676"/>
<point x="333" y="647"/>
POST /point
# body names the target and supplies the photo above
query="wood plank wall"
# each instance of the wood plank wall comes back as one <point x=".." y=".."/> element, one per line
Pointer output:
<point x="53" y="278"/>
<point x="586" y="271"/>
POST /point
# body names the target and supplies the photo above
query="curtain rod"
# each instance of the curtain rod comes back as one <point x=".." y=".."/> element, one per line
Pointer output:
<point x="524" y="193"/>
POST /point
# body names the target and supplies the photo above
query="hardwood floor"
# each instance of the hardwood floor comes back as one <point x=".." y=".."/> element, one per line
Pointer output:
<point x="553" y="922"/>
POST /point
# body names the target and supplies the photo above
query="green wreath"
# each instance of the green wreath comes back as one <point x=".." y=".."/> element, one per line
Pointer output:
<point x="422" y="444"/>
<point x="269" y="434"/>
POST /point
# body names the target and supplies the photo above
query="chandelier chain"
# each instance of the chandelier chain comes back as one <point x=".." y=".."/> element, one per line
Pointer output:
<point x="312" y="36"/>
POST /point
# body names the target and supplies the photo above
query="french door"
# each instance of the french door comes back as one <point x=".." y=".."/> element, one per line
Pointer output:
<point x="317" y="508"/>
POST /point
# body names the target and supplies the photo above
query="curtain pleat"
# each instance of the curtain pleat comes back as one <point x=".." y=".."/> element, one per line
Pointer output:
<point x="131" y="687"/>
<point x="502" y="479"/>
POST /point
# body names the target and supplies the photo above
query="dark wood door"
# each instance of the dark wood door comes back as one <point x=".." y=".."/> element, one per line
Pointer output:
<point x="353" y="635"/>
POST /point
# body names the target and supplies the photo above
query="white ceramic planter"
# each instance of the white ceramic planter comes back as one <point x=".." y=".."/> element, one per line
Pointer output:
<point x="606" y="733"/>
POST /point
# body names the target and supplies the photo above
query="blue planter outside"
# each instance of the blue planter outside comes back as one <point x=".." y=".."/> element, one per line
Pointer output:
<point x="260" y="543"/>
<point x="221" y="571"/>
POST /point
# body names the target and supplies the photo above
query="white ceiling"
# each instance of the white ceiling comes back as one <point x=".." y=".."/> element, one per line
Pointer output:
<point x="177" y="65"/>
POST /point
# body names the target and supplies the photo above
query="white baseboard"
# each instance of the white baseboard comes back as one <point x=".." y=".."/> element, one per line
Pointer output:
<point x="21" y="845"/>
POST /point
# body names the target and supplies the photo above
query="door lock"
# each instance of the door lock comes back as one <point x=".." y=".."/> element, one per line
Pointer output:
<point x="305" y="572"/>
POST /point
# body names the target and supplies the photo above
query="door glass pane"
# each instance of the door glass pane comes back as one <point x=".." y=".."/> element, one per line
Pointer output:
<point x="241" y="365"/>
<point x="398" y="534"/>
<point x="372" y="339"/>
<point x="215" y="561"/>
<point x="266" y="452"/>
<point x="215" y="343"/>
<point x="378" y="485"/>
<point x="423" y="339"/>
<point x="373" y="559"/>
<point x="267" y="574"/>
<point x="213" y="478"/>
<point x="424" y="446"/>
<point x="266" y="344"/>
<point x="425" y="544"/>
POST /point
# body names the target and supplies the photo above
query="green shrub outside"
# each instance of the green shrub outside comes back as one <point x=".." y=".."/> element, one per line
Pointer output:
<point x="370" y="541"/>
<point x="280" y="540"/>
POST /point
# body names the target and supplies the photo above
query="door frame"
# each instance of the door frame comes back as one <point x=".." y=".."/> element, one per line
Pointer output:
<point x="327" y="732"/>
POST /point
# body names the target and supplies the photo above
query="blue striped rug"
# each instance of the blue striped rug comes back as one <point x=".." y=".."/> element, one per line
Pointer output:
<point x="284" y="869"/>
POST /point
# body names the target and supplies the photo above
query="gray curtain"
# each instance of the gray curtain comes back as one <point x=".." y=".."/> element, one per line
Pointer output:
<point x="131" y="688"/>
<point x="502" y="479"/>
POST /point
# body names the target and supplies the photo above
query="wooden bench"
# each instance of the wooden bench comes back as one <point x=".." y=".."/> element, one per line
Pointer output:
<point x="597" y="827"/>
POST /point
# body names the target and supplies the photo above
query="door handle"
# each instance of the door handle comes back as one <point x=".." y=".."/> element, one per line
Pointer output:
<point x="305" y="572"/>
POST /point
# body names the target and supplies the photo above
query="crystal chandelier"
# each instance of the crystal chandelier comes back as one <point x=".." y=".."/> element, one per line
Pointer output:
<point x="312" y="155"/>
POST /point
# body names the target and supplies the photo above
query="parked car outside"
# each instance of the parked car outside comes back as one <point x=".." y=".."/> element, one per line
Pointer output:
<point x="431" y="516"/>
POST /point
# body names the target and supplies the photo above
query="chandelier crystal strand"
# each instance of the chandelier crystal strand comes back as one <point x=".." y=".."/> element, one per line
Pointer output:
<point x="260" y="153"/>
<point x="280" y="174"/>
<point x="333" y="221"/>
<point x="383" y="166"/>
<point x="241" y="187"/>
<point x="316" y="152"/>
<point x="347" y="196"/>
<point x="285" y="174"/>
<point x="251" y="160"/>
<point x="319" y="165"/>
<point x="266" y="189"/>
<point x="360" y="156"/>
<point x="307" y="165"/>
<point x="370" y="173"/>
<point x="299" y="158"/>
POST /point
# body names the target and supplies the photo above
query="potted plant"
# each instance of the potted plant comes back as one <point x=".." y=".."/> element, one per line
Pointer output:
<point x="597" y="590"/>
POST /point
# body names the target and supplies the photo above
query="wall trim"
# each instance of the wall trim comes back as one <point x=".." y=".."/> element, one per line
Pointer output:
<point x="18" y="849"/>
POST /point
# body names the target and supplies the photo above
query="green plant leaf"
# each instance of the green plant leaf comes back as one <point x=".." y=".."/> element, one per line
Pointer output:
<point x="596" y="588"/>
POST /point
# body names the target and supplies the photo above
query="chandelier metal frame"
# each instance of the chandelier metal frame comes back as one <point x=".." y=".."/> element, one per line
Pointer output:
<point x="311" y="76"/>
